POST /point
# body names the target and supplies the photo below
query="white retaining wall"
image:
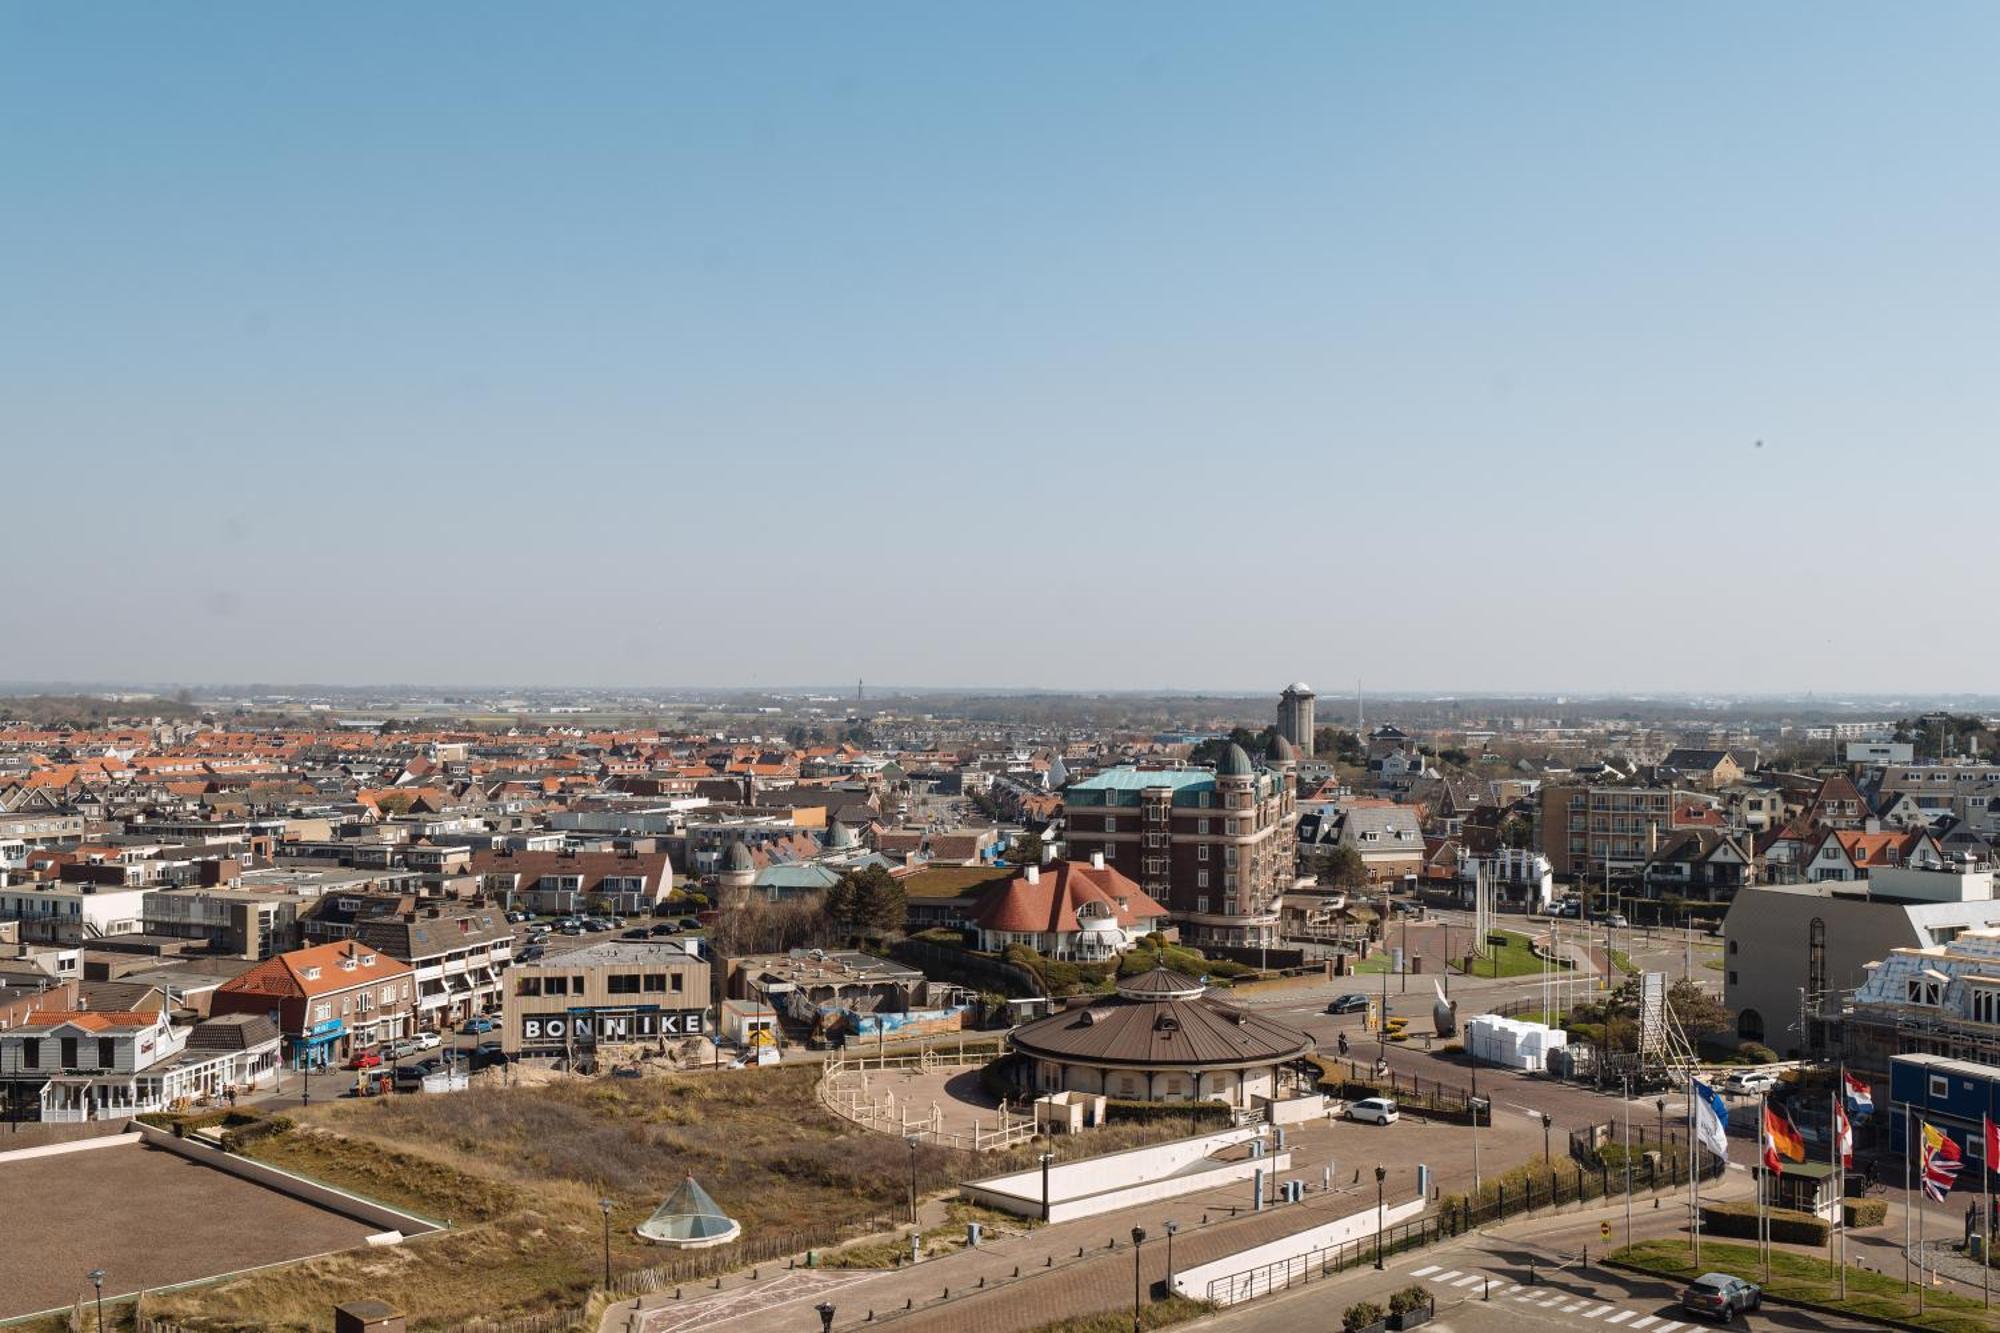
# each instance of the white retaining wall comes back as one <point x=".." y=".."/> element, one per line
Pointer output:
<point x="1122" y="1179"/>
<point x="1194" y="1282"/>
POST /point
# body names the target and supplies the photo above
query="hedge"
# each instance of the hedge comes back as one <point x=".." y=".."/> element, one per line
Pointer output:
<point x="1739" y="1220"/>
<point x="1864" y="1212"/>
<point x="1117" y="1108"/>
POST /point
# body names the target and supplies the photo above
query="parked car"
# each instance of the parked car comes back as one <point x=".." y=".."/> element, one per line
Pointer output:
<point x="1351" y="1003"/>
<point x="411" y="1076"/>
<point x="488" y="1053"/>
<point x="1374" y="1111"/>
<point x="1750" y="1082"/>
<point x="1721" y="1296"/>
<point x="426" y="1041"/>
<point x="1569" y="907"/>
<point x="569" y="930"/>
<point x="365" y="1059"/>
<point x="664" y="928"/>
<point x="638" y="934"/>
<point x="1617" y="920"/>
<point x="476" y="1023"/>
<point x="690" y="923"/>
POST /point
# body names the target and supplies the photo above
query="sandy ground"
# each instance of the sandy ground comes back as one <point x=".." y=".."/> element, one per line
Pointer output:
<point x="148" y="1218"/>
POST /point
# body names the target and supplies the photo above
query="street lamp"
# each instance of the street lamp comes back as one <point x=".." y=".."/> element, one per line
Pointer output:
<point x="97" y="1281"/>
<point x="605" y="1205"/>
<point x="1047" y="1158"/>
<point x="1381" y="1172"/>
<point x="1172" y="1227"/>
<point x="825" y="1311"/>
<point x="1138" y="1240"/>
<point x="912" y="1141"/>
<point x="1660" y="1138"/>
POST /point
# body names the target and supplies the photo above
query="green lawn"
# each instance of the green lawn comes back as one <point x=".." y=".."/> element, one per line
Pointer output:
<point x="1623" y="962"/>
<point x="950" y="881"/>
<point x="1799" y="1277"/>
<point x="1513" y="959"/>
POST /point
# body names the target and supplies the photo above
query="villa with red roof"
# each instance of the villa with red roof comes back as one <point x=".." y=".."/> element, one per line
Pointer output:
<point x="1082" y="911"/>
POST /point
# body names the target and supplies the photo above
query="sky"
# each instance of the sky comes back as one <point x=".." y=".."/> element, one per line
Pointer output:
<point x="1107" y="346"/>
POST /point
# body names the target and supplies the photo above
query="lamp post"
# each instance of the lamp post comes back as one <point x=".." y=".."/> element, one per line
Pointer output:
<point x="825" y="1311"/>
<point x="604" y="1206"/>
<point x="97" y="1281"/>
<point x="1047" y="1158"/>
<point x="912" y="1141"/>
<point x="1628" y="1162"/>
<point x="1172" y="1227"/>
<point x="1548" y="1162"/>
<point x="1660" y="1139"/>
<point x="1138" y="1240"/>
<point x="1381" y="1172"/>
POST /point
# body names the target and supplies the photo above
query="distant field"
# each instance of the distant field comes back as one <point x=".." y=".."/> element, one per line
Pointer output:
<point x="950" y="881"/>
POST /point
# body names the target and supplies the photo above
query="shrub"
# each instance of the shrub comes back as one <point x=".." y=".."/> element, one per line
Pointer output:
<point x="1452" y="1048"/>
<point x="1788" y="1227"/>
<point x="1864" y="1212"/>
<point x="1203" y="1112"/>
<point x="1361" y="1314"/>
<point x="1412" y="1297"/>
<point x="1756" y="1052"/>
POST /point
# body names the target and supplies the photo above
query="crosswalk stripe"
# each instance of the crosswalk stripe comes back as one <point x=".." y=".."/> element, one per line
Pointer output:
<point x="1621" y="1316"/>
<point x="1523" y="1293"/>
<point x="1669" y="1326"/>
<point x="1574" y="1306"/>
<point x="1649" y="1319"/>
<point x="1600" y="1310"/>
<point x="1445" y="1276"/>
<point x="1472" y="1281"/>
<point x="1425" y="1271"/>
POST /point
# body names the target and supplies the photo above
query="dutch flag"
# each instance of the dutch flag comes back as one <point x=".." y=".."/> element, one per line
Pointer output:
<point x="1859" y="1100"/>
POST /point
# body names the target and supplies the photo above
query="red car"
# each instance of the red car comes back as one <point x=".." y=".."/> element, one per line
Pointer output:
<point x="365" y="1060"/>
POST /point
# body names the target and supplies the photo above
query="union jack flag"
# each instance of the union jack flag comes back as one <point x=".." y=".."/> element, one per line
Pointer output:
<point x="1940" y="1162"/>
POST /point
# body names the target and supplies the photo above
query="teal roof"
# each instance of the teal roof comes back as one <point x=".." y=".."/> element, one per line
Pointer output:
<point x="1139" y="779"/>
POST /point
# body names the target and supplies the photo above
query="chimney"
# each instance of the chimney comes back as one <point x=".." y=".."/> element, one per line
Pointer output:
<point x="1097" y="860"/>
<point x="1034" y="874"/>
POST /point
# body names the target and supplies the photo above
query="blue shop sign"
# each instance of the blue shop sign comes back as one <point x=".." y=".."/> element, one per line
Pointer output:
<point x="321" y="1031"/>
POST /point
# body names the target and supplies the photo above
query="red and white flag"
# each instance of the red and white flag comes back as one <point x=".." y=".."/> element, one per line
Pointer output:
<point x="1843" y="1135"/>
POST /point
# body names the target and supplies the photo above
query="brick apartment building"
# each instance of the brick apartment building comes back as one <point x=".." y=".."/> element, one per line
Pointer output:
<point x="328" y="1001"/>
<point x="1585" y="830"/>
<point x="1218" y="849"/>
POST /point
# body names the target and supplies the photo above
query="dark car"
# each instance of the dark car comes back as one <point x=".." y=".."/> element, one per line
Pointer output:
<point x="1720" y="1296"/>
<point x="1352" y="1003"/>
<point x="690" y="923"/>
<point x="665" y="928"/>
<point x="488" y="1053"/>
<point x="411" y="1076"/>
<point x="639" y="934"/>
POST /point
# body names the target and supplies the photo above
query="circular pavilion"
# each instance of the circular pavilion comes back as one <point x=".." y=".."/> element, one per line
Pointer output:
<point x="689" y="1220"/>
<point x="1163" y="1038"/>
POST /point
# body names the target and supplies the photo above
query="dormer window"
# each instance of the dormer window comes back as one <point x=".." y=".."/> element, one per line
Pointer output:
<point x="310" y="974"/>
<point x="367" y="960"/>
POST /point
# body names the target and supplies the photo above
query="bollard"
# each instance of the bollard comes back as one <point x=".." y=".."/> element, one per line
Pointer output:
<point x="1486" y="1289"/>
<point x="677" y="1293"/>
<point x="982" y="1283"/>
<point x="1533" y="1279"/>
<point x="1017" y="1270"/>
<point x="909" y="1302"/>
<point x="1585" y="1265"/>
<point x="753" y="1275"/>
<point x="947" y="1293"/>
<point x="718" y="1284"/>
<point x="1051" y="1262"/>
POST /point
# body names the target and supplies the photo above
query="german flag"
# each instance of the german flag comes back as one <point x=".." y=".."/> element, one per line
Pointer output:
<point x="1782" y="1137"/>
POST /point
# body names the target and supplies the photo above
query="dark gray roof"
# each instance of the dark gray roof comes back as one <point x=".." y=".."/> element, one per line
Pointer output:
<point x="738" y="857"/>
<point x="1234" y="763"/>
<point x="1162" y="1033"/>
<point x="231" y="1032"/>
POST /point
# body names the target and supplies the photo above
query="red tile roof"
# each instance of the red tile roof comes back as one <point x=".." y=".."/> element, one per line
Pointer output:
<point x="1050" y="902"/>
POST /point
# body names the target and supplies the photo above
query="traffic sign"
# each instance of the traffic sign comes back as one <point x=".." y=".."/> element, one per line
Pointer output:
<point x="1604" y="1230"/>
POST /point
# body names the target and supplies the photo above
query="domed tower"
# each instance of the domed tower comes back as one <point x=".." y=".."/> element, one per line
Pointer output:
<point x="1283" y="759"/>
<point x="1295" y="717"/>
<point x="738" y="870"/>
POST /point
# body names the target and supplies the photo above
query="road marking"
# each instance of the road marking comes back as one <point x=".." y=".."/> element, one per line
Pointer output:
<point x="1445" y="1276"/>
<point x="1556" y="1299"/>
<point x="1621" y="1316"/>
<point x="1472" y="1281"/>
<point x="1668" y="1327"/>
<point x="1600" y="1310"/>
<point x="1649" y="1319"/>
<point x="1574" y="1306"/>
<point x="1425" y="1271"/>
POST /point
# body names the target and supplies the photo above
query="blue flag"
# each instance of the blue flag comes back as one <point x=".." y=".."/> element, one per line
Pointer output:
<point x="1711" y="1118"/>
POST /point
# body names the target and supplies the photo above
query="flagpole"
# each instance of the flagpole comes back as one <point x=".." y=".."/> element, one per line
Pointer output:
<point x="1833" y="1237"/>
<point x="1766" y="1150"/>
<point x="1909" y="1152"/>
<point x="1694" y="1161"/>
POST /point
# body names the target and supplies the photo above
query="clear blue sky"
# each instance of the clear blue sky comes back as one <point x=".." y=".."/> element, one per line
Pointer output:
<point x="1062" y="345"/>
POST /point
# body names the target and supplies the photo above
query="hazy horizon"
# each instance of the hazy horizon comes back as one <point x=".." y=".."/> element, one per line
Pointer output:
<point x="1107" y="348"/>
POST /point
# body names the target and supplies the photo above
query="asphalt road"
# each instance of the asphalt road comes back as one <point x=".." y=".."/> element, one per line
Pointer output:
<point x="1485" y="1284"/>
